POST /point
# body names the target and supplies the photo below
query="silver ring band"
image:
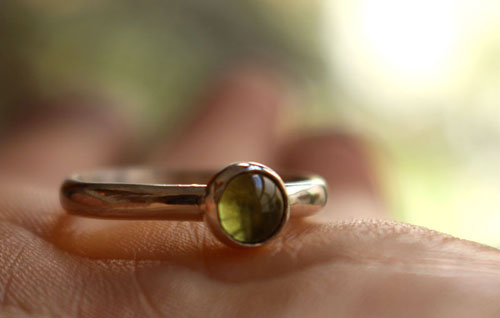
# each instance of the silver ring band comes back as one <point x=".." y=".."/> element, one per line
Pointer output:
<point x="160" y="194"/>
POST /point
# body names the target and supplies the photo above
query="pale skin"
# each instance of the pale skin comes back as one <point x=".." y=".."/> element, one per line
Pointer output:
<point x="348" y="261"/>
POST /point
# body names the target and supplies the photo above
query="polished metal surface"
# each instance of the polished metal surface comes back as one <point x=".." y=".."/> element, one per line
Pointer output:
<point x="156" y="193"/>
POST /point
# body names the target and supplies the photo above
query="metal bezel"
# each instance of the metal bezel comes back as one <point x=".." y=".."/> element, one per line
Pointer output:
<point x="215" y="189"/>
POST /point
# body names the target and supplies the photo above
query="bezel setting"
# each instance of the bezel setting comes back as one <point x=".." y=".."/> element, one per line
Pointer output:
<point x="216" y="187"/>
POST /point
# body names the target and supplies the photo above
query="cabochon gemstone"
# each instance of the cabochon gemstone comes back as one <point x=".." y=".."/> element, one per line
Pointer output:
<point x="251" y="208"/>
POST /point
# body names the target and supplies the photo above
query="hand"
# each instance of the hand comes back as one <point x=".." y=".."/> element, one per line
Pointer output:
<point x="348" y="261"/>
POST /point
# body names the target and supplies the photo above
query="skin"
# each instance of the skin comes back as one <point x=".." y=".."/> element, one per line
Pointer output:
<point x="347" y="261"/>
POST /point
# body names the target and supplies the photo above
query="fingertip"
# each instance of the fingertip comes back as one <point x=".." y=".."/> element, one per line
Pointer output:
<point x="235" y="121"/>
<point x="47" y="141"/>
<point x="347" y="164"/>
<point x="342" y="159"/>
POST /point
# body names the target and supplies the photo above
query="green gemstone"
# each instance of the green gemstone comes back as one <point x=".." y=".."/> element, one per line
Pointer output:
<point x="251" y="208"/>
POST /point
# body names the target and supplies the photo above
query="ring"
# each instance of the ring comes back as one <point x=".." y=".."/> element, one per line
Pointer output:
<point x="245" y="204"/>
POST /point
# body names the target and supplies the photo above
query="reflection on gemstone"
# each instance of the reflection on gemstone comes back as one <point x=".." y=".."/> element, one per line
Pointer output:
<point x="251" y="208"/>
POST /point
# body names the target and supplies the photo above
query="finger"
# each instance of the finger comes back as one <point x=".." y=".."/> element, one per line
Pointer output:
<point x="388" y="268"/>
<point x="358" y="268"/>
<point x="236" y="121"/>
<point x="37" y="279"/>
<point x="346" y="163"/>
<point x="45" y="143"/>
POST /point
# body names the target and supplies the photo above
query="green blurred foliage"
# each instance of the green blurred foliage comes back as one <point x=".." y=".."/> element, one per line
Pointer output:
<point x="153" y="55"/>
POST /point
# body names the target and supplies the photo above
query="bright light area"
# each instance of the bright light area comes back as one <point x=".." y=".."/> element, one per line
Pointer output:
<point x="391" y="50"/>
<point x="427" y="73"/>
<point x="414" y="39"/>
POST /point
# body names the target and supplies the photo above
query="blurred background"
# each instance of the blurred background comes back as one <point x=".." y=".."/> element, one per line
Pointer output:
<point x="418" y="80"/>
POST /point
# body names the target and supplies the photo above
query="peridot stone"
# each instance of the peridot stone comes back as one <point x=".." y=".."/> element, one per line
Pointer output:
<point x="251" y="208"/>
